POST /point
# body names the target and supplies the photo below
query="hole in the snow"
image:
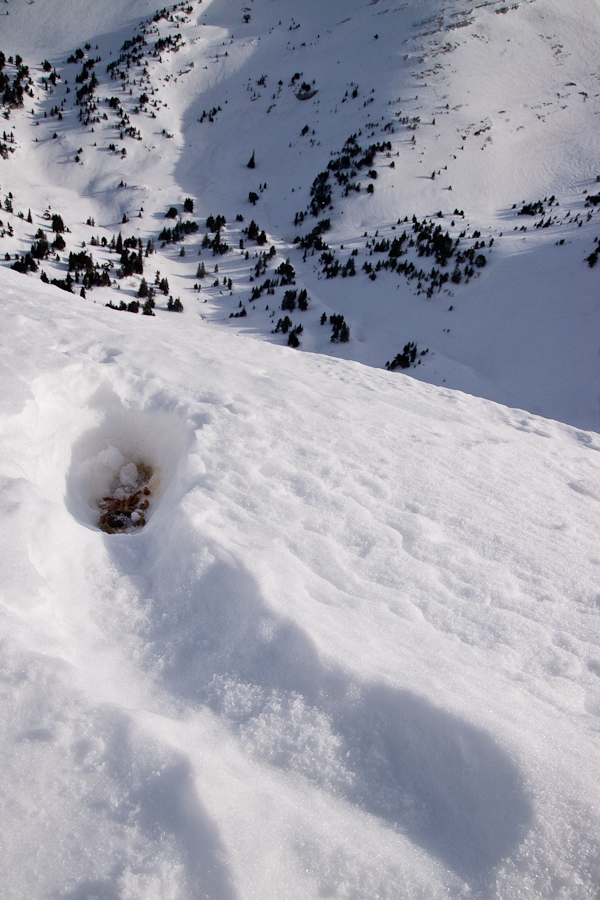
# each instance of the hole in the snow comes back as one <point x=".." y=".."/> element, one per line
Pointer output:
<point x="121" y="470"/>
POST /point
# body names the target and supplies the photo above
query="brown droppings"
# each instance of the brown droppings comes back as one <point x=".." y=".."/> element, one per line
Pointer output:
<point x="116" y="513"/>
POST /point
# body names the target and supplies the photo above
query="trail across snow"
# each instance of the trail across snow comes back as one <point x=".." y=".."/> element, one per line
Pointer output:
<point x="353" y="653"/>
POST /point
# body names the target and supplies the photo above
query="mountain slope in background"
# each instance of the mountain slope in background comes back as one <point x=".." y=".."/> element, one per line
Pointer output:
<point x="497" y="102"/>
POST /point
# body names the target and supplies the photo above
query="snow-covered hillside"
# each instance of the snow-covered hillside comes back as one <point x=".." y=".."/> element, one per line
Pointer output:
<point x="353" y="653"/>
<point x="476" y="112"/>
<point x="284" y="624"/>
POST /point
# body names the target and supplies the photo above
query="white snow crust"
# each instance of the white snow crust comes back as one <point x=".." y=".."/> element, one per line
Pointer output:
<point x="353" y="653"/>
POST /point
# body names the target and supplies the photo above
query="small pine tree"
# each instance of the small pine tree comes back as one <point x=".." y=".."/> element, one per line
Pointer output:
<point x="57" y="224"/>
<point x="188" y="205"/>
<point x="252" y="162"/>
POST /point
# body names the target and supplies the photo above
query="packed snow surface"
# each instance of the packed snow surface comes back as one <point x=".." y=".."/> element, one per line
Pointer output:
<point x="354" y="652"/>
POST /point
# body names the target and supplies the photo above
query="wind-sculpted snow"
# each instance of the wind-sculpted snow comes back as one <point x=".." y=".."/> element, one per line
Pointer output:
<point x="353" y="653"/>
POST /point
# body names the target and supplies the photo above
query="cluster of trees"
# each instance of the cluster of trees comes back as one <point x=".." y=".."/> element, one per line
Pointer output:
<point x="340" y="330"/>
<point x="426" y="238"/>
<point x="218" y="246"/>
<point x="286" y="272"/>
<point x="405" y="359"/>
<point x="345" y="166"/>
<point x="215" y="223"/>
<point x="182" y="228"/>
<point x="12" y="89"/>
<point x="313" y="239"/>
<point x="291" y="297"/>
<point x="285" y="326"/>
<point x="254" y="233"/>
<point x="93" y="275"/>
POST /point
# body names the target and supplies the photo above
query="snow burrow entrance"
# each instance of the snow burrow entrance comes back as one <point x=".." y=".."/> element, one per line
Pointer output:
<point x="121" y="470"/>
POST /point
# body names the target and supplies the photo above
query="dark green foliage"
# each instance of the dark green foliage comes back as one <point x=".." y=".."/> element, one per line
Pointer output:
<point x="12" y="90"/>
<point x="253" y="197"/>
<point x="252" y="163"/>
<point x="286" y="270"/>
<point x="218" y="247"/>
<point x="592" y="200"/>
<point x="348" y="269"/>
<point x="330" y="263"/>
<point x="133" y="307"/>
<point x="323" y="318"/>
<point x="178" y="232"/>
<point x="175" y="305"/>
<point x="592" y="259"/>
<point x="289" y="301"/>
<point x="303" y="300"/>
<point x="57" y="224"/>
<point x="188" y="205"/>
<point x="268" y="285"/>
<point x="340" y="331"/>
<point x="122" y="306"/>
<point x="532" y="209"/>
<point x="132" y="263"/>
<point x="283" y="326"/>
<point x="215" y="223"/>
<point x="313" y="238"/>
<point x="293" y="337"/>
<point x="58" y="243"/>
<point x="405" y="359"/>
<point x="65" y="284"/>
<point x="25" y="264"/>
<point x="143" y="288"/>
<point x="171" y="213"/>
<point x="239" y="315"/>
<point x="41" y="248"/>
<point x="320" y="193"/>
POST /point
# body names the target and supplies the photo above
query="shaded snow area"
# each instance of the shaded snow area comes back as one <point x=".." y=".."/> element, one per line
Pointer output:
<point x="353" y="653"/>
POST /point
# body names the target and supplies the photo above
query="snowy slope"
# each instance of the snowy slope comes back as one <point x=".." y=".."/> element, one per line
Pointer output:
<point x="499" y="102"/>
<point x="354" y="650"/>
<point x="353" y="653"/>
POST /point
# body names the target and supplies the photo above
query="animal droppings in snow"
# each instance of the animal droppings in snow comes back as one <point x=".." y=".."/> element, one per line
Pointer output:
<point x="127" y="504"/>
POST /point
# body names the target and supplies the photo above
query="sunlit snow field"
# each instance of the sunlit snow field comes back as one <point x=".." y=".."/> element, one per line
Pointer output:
<point x="353" y="653"/>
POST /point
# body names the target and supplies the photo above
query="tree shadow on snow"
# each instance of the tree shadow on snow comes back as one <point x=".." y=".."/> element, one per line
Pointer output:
<point x="439" y="780"/>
